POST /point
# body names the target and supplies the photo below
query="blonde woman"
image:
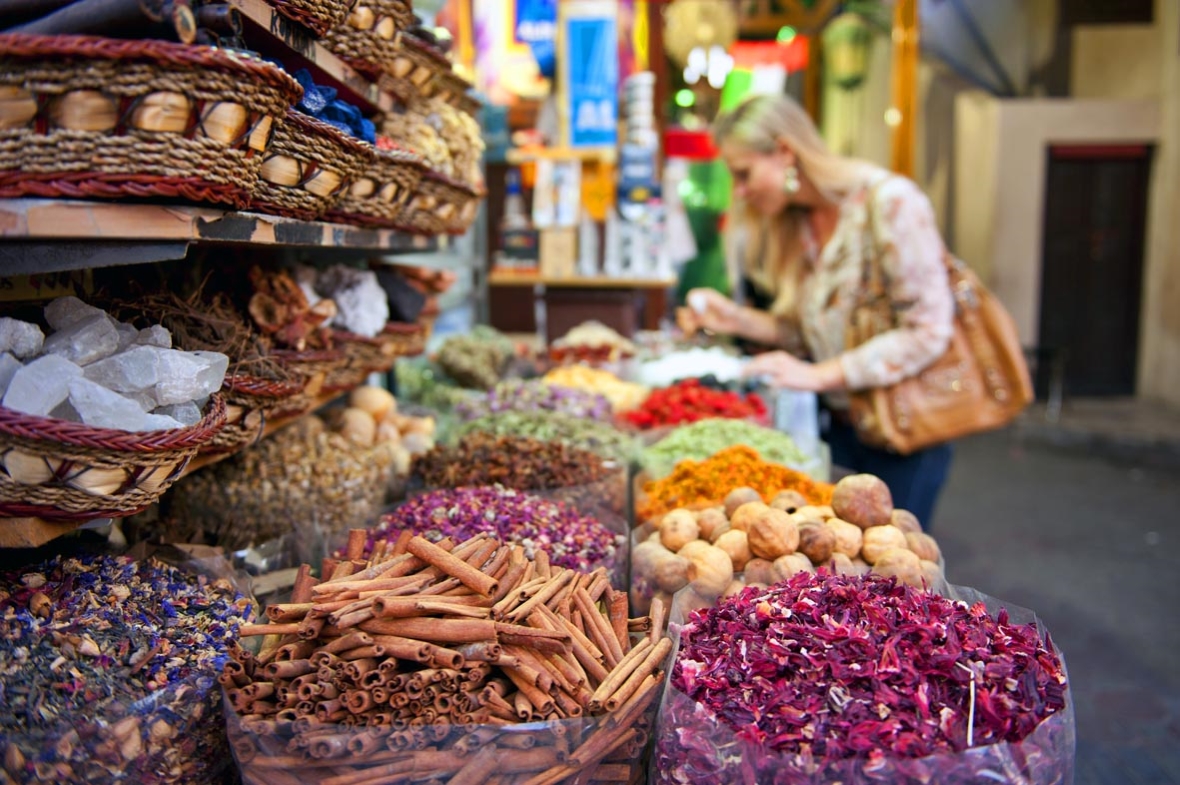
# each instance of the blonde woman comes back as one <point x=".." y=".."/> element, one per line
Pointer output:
<point x="804" y="222"/>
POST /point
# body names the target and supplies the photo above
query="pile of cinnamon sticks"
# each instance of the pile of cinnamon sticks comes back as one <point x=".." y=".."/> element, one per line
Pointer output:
<point x="448" y="663"/>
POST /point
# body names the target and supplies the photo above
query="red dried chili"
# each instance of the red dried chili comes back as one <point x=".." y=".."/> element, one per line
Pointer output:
<point x="689" y="401"/>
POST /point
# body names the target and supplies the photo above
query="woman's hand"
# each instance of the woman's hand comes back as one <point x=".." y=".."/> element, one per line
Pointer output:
<point x="780" y="369"/>
<point x="708" y="309"/>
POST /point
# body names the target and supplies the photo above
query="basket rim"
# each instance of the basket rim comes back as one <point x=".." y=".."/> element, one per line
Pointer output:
<point x="165" y="53"/>
<point x="35" y="428"/>
<point x="439" y="177"/>
<point x="416" y="43"/>
<point x="310" y="124"/>
<point x="261" y="387"/>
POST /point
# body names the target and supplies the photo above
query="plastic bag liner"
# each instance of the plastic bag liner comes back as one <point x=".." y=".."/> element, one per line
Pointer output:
<point x="693" y="745"/>
<point x="172" y="734"/>
<point x="605" y="749"/>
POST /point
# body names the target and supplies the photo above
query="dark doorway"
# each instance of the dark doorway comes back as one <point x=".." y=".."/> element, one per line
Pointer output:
<point x="1092" y="268"/>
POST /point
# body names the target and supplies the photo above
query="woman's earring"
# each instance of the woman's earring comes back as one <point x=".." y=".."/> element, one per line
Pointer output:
<point x="791" y="182"/>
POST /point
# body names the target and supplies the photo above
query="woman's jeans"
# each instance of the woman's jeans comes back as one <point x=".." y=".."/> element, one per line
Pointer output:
<point x="914" y="480"/>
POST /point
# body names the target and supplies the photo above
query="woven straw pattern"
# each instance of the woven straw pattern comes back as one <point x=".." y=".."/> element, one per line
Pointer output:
<point x="366" y="50"/>
<point x="65" y="470"/>
<point x="317" y="146"/>
<point x="409" y="339"/>
<point x="395" y="175"/>
<point x="250" y="400"/>
<point x="319" y="16"/>
<point x="440" y="206"/>
<point x="43" y="160"/>
<point x="415" y="71"/>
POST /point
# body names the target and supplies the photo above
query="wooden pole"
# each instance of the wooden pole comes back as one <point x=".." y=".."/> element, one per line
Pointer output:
<point x="904" y="109"/>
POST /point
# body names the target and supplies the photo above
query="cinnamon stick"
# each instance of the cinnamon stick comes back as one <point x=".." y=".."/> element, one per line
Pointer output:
<point x="453" y="566"/>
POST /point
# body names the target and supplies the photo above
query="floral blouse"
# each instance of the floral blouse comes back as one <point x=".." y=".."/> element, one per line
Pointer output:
<point x="906" y="233"/>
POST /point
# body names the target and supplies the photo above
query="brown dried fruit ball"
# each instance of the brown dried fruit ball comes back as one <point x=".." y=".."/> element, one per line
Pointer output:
<point x="678" y="528"/>
<point x="816" y="542"/>
<point x="791" y="564"/>
<point x="736" y="544"/>
<point x="924" y="545"/>
<point x="849" y="538"/>
<point x="739" y="496"/>
<point x="863" y="499"/>
<point x="905" y="520"/>
<point x="746" y="514"/>
<point x="710" y="519"/>
<point x="788" y="501"/>
<point x="840" y="564"/>
<point x="760" y="571"/>
<point x="773" y="534"/>
<point x="879" y="539"/>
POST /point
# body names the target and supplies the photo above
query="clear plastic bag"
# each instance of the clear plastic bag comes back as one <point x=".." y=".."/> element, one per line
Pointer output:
<point x="693" y="745"/>
<point x="172" y="732"/>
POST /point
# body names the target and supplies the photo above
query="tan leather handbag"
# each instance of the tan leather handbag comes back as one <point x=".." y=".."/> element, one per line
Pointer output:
<point x="980" y="383"/>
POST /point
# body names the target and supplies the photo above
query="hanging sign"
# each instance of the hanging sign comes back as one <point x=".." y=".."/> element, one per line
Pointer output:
<point x="535" y="25"/>
<point x="591" y="67"/>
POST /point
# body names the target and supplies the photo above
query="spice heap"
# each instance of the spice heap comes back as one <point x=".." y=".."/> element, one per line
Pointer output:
<point x="418" y="381"/>
<point x="599" y="437"/>
<point x="107" y="669"/>
<point x="700" y="440"/>
<point x="689" y="401"/>
<point x="706" y="483"/>
<point x="669" y="366"/>
<point x="572" y="540"/>
<point x="623" y="396"/>
<point x="535" y="395"/>
<point x="476" y="360"/>
<point x="320" y="481"/>
<point x="424" y="662"/>
<point x="859" y="679"/>
<point x="707" y="549"/>
<point x="105" y="373"/>
<point x="592" y="341"/>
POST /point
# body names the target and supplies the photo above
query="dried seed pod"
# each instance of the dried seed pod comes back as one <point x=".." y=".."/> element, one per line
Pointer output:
<point x="816" y="542"/>
<point x="739" y="496"/>
<point x="737" y="545"/>
<point x="773" y="534"/>
<point x="760" y="571"/>
<point x="670" y="573"/>
<point x="710" y="519"/>
<point x="879" y="539"/>
<point x="788" y="501"/>
<point x="905" y="520"/>
<point x="646" y="555"/>
<point x="678" y="528"/>
<point x="710" y="571"/>
<point x="901" y="563"/>
<point x="924" y="545"/>
<point x="792" y="563"/>
<point x="849" y="538"/>
<point x="863" y="499"/>
<point x="746" y="514"/>
<point x="815" y="512"/>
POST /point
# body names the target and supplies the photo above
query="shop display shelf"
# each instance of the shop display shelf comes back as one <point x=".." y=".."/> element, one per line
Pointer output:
<point x="52" y="235"/>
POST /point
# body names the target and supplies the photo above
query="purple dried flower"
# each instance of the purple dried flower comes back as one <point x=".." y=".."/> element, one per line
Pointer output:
<point x="860" y="679"/>
<point x="533" y="395"/>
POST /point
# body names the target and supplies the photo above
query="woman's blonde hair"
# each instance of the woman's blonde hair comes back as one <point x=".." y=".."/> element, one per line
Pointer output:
<point x="770" y="250"/>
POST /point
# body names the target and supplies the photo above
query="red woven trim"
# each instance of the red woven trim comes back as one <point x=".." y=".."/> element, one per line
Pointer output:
<point x="402" y="328"/>
<point x="89" y="185"/>
<point x="263" y="388"/>
<point x="26" y="426"/>
<point x="26" y="46"/>
<point x="310" y="125"/>
<point x="16" y="510"/>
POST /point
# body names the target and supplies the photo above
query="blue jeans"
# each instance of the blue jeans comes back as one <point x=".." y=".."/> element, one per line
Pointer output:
<point x="914" y="480"/>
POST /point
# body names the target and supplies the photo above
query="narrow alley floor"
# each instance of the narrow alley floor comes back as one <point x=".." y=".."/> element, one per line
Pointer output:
<point x="1090" y="540"/>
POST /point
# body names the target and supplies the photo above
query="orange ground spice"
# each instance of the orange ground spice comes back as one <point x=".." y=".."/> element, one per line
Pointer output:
<point x="697" y="484"/>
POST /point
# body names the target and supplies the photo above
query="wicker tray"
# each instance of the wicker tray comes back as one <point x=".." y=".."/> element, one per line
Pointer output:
<point x="83" y="104"/>
<point x="315" y="365"/>
<point x="367" y="39"/>
<point x="65" y="470"/>
<point x="441" y="205"/>
<point x="308" y="168"/>
<point x="318" y="16"/>
<point x="409" y="338"/>
<point x="415" y="70"/>
<point x="377" y="197"/>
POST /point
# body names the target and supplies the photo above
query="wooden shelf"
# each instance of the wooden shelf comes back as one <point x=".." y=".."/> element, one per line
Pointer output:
<point x="35" y="532"/>
<point x="62" y="234"/>
<point x="598" y="282"/>
<point x="274" y="35"/>
<point x="523" y="155"/>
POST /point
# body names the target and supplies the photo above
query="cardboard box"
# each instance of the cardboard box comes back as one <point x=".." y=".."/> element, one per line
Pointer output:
<point x="559" y="253"/>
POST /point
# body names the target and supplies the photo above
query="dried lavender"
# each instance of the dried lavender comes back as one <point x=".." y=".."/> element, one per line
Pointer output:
<point x="571" y="539"/>
<point x="533" y="395"/>
<point x="859" y="679"/>
<point x="108" y="671"/>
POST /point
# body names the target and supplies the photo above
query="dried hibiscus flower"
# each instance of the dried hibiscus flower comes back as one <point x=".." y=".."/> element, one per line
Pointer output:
<point x="860" y="679"/>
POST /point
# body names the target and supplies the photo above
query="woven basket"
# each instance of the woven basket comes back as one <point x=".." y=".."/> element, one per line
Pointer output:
<point x="78" y="107"/>
<point x="65" y="470"/>
<point x="453" y="89"/>
<point x="441" y="205"/>
<point x="309" y="167"/>
<point x="367" y="39"/>
<point x="415" y="70"/>
<point x="318" y="16"/>
<point x="377" y="197"/>
<point x="315" y="365"/>
<point x="249" y="401"/>
<point x="408" y="339"/>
